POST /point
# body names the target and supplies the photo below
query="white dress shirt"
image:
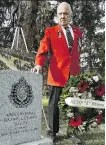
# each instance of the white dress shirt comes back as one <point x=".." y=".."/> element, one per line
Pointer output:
<point x="64" y="31"/>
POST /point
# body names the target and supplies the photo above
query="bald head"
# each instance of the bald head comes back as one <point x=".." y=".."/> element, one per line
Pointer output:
<point x="64" y="13"/>
<point x="65" y="6"/>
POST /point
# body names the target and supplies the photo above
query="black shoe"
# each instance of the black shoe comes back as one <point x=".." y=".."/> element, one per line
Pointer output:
<point x="75" y="140"/>
<point x="51" y="135"/>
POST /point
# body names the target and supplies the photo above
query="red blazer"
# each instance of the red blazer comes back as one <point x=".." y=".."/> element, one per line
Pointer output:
<point x="62" y="61"/>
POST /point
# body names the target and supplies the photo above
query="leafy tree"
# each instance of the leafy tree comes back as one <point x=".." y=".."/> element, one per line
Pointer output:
<point x="45" y="18"/>
<point x="34" y="17"/>
<point x="5" y="21"/>
<point x="90" y="20"/>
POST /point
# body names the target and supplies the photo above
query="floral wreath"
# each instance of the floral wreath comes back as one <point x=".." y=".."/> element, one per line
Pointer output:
<point x="84" y="87"/>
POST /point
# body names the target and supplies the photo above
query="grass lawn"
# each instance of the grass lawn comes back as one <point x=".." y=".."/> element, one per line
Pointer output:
<point x="10" y="63"/>
<point x="45" y="102"/>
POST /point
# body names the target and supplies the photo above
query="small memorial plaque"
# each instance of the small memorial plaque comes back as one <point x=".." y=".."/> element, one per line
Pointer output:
<point x="88" y="103"/>
<point x="20" y="107"/>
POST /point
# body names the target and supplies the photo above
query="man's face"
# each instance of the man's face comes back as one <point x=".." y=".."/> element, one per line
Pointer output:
<point x="63" y="16"/>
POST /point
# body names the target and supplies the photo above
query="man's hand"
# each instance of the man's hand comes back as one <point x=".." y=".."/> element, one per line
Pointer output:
<point x="37" y="69"/>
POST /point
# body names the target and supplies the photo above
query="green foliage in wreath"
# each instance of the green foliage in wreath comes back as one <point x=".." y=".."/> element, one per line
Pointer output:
<point x="84" y="87"/>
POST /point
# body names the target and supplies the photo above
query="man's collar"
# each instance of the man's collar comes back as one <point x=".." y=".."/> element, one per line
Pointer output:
<point x="69" y="26"/>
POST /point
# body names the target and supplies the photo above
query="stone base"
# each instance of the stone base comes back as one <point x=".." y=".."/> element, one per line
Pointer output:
<point x="43" y="141"/>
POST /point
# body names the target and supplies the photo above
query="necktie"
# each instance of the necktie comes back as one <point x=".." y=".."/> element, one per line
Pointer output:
<point x="69" y="37"/>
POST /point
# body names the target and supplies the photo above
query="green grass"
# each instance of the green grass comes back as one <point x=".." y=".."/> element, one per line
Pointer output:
<point x="10" y="63"/>
<point x="45" y="102"/>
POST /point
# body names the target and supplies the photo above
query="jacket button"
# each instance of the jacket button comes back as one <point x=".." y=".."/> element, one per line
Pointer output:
<point x="68" y="66"/>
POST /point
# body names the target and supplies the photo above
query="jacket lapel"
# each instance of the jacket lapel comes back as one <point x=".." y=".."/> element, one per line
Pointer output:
<point x="61" y="36"/>
<point x="75" y="32"/>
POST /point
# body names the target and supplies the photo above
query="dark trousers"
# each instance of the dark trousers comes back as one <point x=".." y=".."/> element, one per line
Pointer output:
<point x="53" y="108"/>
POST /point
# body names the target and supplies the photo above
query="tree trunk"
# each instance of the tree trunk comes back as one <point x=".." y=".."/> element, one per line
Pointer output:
<point x="27" y="19"/>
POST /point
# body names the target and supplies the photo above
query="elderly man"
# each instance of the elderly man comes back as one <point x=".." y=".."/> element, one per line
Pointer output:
<point x="63" y="43"/>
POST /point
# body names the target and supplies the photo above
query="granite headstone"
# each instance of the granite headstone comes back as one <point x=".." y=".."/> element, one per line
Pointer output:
<point x="20" y="108"/>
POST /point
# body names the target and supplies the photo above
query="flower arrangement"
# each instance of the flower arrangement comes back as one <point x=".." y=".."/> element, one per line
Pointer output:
<point x="88" y="89"/>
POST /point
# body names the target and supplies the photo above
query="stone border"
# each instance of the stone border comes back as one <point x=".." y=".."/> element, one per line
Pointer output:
<point x="43" y="141"/>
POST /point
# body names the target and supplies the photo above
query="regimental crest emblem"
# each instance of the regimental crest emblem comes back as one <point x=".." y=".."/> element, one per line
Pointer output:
<point x="21" y="94"/>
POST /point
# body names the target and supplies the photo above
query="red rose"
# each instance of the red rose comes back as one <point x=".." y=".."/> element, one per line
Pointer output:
<point x="98" y="118"/>
<point x="100" y="90"/>
<point x="83" y="85"/>
<point x="75" y="121"/>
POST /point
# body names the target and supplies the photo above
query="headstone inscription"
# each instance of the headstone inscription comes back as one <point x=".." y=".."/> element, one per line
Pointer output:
<point x="20" y="108"/>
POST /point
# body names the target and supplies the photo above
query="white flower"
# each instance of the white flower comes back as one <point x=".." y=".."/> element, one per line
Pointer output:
<point x="89" y="95"/>
<point x="84" y="123"/>
<point x="79" y="94"/>
<point x="73" y="89"/>
<point x="95" y="78"/>
<point x="100" y="111"/>
<point x="68" y="100"/>
<point x="89" y="80"/>
<point x="103" y="97"/>
<point x="69" y="114"/>
<point x="75" y="95"/>
<point x="81" y="128"/>
<point x="84" y="95"/>
<point x="94" y="124"/>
